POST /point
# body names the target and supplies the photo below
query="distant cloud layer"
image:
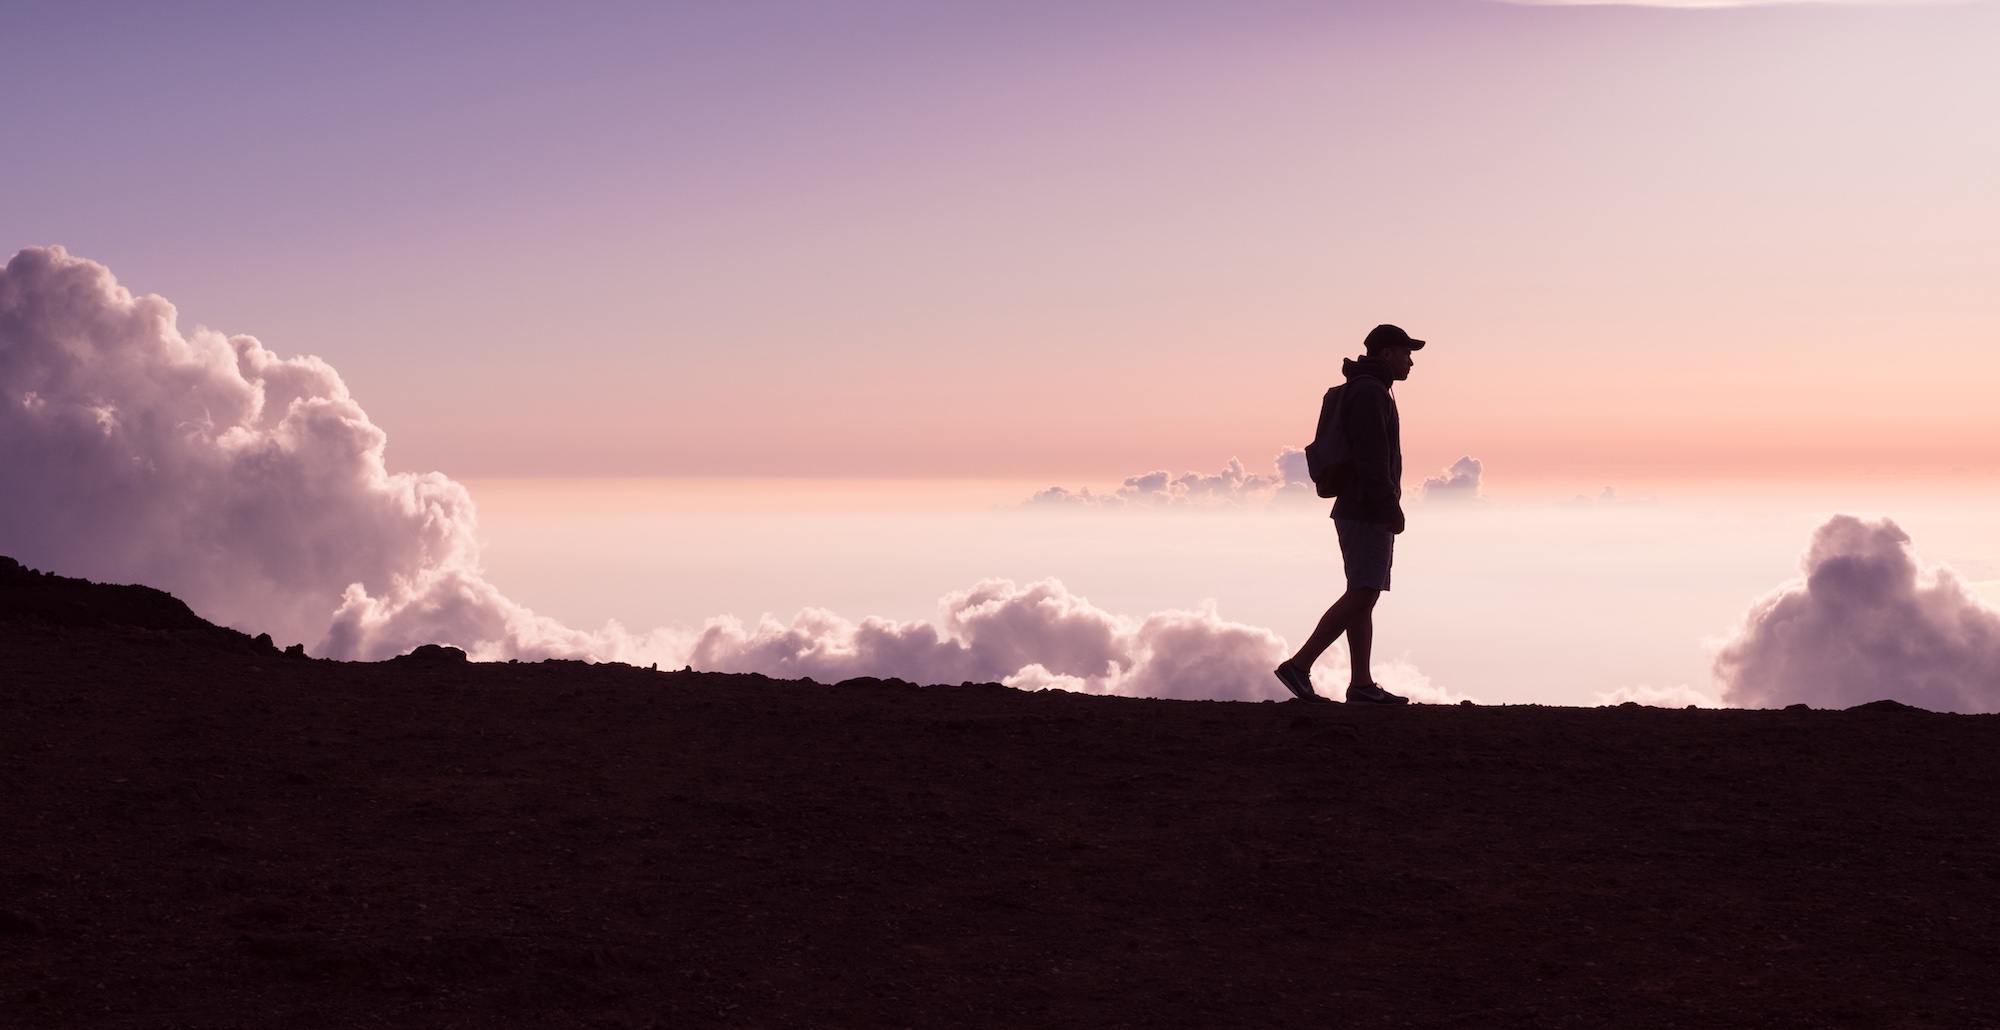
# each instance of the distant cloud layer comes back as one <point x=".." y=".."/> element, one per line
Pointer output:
<point x="1867" y="622"/>
<point x="1034" y="636"/>
<point x="1460" y="482"/>
<point x="254" y="487"/>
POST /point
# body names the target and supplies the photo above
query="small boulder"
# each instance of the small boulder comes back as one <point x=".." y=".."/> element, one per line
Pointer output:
<point x="1885" y="705"/>
<point x="432" y="654"/>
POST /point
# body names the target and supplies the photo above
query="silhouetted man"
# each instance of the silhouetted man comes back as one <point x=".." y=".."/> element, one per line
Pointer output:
<point x="1367" y="513"/>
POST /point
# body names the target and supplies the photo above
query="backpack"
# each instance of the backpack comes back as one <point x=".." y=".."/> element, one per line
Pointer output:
<point x="1329" y="460"/>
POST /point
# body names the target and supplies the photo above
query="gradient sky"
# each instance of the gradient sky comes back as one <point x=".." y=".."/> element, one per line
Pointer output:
<point x="1070" y="239"/>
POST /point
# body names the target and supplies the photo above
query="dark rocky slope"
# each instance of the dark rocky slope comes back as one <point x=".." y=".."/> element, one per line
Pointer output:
<point x="201" y="831"/>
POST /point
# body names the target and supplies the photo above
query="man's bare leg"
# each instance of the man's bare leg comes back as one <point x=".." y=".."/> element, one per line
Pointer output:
<point x="1361" y="641"/>
<point x="1353" y="614"/>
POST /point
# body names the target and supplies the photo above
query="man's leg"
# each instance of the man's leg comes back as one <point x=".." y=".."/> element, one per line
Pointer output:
<point x="1360" y="641"/>
<point x="1354" y="609"/>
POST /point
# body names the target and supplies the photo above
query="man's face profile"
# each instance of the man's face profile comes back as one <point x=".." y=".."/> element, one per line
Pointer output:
<point x="1398" y="359"/>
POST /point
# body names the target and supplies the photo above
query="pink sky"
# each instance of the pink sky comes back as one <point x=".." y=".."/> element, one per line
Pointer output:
<point x="1064" y="241"/>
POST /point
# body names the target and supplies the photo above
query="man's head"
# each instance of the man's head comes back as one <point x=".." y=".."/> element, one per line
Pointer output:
<point x="1392" y="346"/>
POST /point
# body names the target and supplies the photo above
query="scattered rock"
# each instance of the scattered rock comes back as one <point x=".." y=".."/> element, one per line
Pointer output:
<point x="426" y="654"/>
<point x="892" y="683"/>
<point x="1886" y="705"/>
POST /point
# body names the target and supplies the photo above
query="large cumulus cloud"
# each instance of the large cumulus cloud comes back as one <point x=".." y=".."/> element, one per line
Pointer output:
<point x="1867" y="621"/>
<point x="254" y="486"/>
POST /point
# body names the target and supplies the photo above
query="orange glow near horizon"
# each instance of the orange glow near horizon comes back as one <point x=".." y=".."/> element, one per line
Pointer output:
<point x="1066" y="243"/>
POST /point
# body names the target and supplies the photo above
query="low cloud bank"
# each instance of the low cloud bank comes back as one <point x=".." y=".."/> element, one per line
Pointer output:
<point x="1867" y="621"/>
<point x="1457" y="483"/>
<point x="254" y="488"/>
<point x="1236" y="485"/>
<point x="1041" y="636"/>
<point x="1034" y="636"/>
<point x="1159" y="488"/>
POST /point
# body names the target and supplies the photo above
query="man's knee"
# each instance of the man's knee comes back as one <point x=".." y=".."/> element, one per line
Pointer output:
<point x="1363" y="598"/>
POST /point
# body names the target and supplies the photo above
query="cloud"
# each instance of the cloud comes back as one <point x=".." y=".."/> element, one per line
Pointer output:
<point x="1159" y="488"/>
<point x="1707" y="4"/>
<point x="1033" y="636"/>
<point x="254" y="487"/>
<point x="1868" y="621"/>
<point x="1460" y="482"/>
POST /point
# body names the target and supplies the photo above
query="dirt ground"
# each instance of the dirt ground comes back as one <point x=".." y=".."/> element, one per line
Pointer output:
<point x="200" y="831"/>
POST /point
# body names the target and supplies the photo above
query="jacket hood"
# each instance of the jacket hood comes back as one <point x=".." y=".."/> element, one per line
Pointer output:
<point x="1372" y="367"/>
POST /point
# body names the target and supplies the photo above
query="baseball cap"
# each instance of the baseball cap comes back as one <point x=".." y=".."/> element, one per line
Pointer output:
<point x="1390" y="336"/>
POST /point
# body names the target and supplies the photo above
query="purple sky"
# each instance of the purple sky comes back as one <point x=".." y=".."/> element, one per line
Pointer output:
<point x="1050" y="238"/>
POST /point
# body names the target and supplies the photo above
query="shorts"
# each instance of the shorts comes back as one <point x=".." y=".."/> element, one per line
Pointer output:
<point x="1367" y="549"/>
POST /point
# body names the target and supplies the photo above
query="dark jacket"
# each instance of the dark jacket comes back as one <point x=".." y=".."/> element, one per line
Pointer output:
<point x="1375" y="440"/>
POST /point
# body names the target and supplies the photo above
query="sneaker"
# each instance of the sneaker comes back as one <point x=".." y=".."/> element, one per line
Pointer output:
<point x="1373" y="694"/>
<point x="1299" y="682"/>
